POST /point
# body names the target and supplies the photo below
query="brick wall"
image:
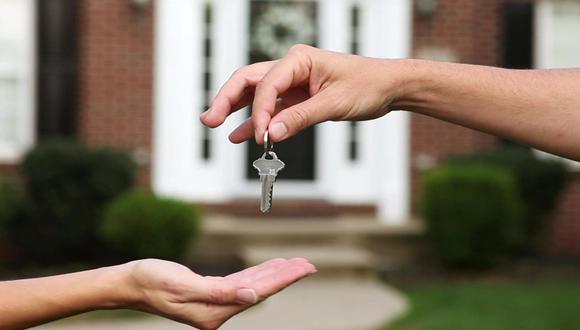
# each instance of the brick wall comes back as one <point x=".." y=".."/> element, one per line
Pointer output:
<point x="564" y="234"/>
<point x="116" y="77"/>
<point x="450" y="35"/>
<point x="469" y="31"/>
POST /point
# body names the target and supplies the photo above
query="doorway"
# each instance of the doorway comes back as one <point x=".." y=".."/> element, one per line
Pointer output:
<point x="274" y="27"/>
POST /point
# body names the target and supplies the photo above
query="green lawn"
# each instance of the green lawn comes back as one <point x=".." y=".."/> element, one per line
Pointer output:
<point x="495" y="306"/>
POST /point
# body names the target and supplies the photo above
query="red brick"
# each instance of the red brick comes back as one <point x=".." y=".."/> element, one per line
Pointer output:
<point x="116" y="77"/>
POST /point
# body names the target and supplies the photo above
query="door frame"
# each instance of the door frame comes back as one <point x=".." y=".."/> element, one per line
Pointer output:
<point x="11" y="153"/>
<point x="382" y="175"/>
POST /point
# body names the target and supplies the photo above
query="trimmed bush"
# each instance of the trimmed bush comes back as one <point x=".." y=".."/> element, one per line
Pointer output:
<point x="11" y="210"/>
<point x="68" y="186"/>
<point x="539" y="182"/>
<point x="10" y="207"/>
<point x="473" y="215"/>
<point x="141" y="225"/>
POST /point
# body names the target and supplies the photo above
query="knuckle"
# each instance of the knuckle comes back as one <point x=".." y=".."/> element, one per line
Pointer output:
<point x="298" y="49"/>
<point x="263" y="85"/>
<point x="278" y="260"/>
<point x="300" y="118"/>
<point x="217" y="294"/>
<point x="239" y="72"/>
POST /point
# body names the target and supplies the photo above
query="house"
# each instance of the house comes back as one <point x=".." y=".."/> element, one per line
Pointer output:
<point x="136" y="74"/>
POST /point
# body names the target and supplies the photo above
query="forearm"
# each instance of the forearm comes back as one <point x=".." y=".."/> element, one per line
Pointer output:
<point x="540" y="108"/>
<point x="25" y="303"/>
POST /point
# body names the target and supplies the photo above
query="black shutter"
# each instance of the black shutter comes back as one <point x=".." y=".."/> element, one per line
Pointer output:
<point x="518" y="36"/>
<point x="518" y="41"/>
<point x="57" y="64"/>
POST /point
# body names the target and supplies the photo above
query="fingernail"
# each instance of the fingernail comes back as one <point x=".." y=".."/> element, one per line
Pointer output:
<point x="247" y="296"/>
<point x="204" y="114"/>
<point x="278" y="131"/>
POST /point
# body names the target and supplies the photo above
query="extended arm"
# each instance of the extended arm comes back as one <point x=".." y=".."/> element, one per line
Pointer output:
<point x="308" y="86"/>
<point x="540" y="108"/>
<point x="155" y="286"/>
<point x="25" y="303"/>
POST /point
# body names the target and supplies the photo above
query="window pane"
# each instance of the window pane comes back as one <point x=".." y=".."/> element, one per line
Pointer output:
<point x="566" y="51"/>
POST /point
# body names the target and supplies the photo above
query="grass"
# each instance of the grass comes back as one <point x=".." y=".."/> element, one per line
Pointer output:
<point x="497" y="306"/>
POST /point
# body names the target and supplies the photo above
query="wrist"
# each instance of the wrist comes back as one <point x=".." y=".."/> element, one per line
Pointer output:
<point x="118" y="287"/>
<point x="413" y="84"/>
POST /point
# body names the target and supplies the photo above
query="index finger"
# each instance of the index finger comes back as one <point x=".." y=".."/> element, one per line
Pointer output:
<point x="233" y="92"/>
<point x="290" y="71"/>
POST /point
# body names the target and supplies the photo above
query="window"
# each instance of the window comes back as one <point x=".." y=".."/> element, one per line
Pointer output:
<point x="207" y="75"/>
<point x="353" y="132"/>
<point x="16" y="78"/>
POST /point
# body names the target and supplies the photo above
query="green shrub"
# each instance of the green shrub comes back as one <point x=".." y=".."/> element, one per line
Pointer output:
<point x="539" y="181"/>
<point x="11" y="206"/>
<point x="68" y="186"/>
<point x="473" y="215"/>
<point x="141" y="225"/>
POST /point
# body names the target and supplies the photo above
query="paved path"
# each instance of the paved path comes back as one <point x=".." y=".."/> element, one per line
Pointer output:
<point x="313" y="304"/>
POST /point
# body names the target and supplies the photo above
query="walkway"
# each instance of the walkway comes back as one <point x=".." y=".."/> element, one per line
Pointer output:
<point x="313" y="304"/>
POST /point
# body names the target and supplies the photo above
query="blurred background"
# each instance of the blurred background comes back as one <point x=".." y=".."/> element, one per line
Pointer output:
<point x="413" y="223"/>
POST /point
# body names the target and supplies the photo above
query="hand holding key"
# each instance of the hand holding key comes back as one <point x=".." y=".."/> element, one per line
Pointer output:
<point x="306" y="87"/>
<point x="268" y="167"/>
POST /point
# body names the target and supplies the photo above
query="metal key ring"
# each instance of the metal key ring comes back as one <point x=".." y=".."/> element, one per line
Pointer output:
<point x="268" y="145"/>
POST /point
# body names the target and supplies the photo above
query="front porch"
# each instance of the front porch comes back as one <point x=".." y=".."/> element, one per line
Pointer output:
<point x="346" y="245"/>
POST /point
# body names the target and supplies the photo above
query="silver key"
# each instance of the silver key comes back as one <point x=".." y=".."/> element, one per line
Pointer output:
<point x="268" y="167"/>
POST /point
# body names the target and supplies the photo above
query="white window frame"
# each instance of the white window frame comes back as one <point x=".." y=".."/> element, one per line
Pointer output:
<point x="544" y="41"/>
<point x="11" y="153"/>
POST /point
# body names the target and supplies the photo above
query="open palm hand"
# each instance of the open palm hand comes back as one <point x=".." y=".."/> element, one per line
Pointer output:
<point x="174" y="291"/>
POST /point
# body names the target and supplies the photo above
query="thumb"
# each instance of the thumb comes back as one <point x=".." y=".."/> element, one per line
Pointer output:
<point x="298" y="117"/>
<point x="223" y="291"/>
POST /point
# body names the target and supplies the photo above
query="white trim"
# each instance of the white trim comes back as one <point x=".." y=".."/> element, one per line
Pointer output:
<point x="341" y="180"/>
<point x="177" y="95"/>
<point x="178" y="169"/>
<point x="389" y="137"/>
<point x="11" y="153"/>
<point x="380" y="176"/>
<point x="542" y="34"/>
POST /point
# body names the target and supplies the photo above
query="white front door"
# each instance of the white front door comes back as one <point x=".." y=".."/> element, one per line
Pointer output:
<point x="16" y="78"/>
<point x="199" y="45"/>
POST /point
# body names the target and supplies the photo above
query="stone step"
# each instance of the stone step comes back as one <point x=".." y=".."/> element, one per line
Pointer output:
<point x="330" y="260"/>
<point x="225" y="239"/>
<point x="310" y="229"/>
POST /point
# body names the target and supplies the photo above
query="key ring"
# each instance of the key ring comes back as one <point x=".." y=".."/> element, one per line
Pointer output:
<point x="268" y="145"/>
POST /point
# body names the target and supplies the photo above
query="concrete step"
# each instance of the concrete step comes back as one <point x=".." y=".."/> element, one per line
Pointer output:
<point x="225" y="239"/>
<point x="330" y="260"/>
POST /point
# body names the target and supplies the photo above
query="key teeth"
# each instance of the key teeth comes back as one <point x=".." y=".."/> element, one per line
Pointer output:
<point x="268" y="206"/>
<point x="270" y="196"/>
